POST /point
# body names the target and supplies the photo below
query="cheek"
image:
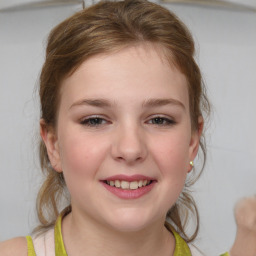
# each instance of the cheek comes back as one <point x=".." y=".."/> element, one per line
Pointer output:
<point x="172" y="154"/>
<point x="172" y="159"/>
<point x="81" y="155"/>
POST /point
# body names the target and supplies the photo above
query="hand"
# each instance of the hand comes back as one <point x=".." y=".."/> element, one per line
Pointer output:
<point x="245" y="241"/>
<point x="245" y="214"/>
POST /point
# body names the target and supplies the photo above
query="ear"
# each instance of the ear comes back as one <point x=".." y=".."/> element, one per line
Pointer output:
<point x="195" y="139"/>
<point x="49" y="137"/>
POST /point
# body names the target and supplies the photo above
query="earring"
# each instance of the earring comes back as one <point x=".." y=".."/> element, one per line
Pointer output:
<point x="191" y="163"/>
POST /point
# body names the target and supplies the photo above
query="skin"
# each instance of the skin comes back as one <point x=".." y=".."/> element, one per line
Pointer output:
<point x="245" y="214"/>
<point x="125" y="141"/>
<point x="143" y="127"/>
<point x="15" y="246"/>
<point x="244" y="244"/>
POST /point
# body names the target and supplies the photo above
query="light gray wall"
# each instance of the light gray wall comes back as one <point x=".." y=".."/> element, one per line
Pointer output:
<point x="22" y="44"/>
<point x="226" y="52"/>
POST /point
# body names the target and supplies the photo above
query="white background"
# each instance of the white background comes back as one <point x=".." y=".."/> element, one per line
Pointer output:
<point x="226" y="52"/>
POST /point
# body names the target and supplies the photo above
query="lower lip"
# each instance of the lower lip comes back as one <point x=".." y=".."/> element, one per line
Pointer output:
<point x="129" y="193"/>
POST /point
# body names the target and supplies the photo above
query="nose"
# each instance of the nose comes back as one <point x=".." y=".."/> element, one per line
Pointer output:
<point x="129" y="145"/>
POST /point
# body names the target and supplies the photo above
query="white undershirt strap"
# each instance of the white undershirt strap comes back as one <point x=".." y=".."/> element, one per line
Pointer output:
<point x="44" y="245"/>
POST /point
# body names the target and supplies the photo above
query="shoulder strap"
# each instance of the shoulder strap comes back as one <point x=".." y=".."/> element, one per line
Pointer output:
<point x="44" y="244"/>
<point x="195" y="251"/>
<point x="59" y="244"/>
<point x="181" y="248"/>
<point x="31" y="250"/>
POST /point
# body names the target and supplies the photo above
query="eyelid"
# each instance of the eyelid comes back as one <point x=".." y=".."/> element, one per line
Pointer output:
<point x="170" y="120"/>
<point x="161" y="116"/>
<point x="88" y="118"/>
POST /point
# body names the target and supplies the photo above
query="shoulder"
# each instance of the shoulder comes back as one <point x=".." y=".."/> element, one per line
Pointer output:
<point x="15" y="246"/>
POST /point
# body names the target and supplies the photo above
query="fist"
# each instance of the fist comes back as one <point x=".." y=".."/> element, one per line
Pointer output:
<point x="245" y="214"/>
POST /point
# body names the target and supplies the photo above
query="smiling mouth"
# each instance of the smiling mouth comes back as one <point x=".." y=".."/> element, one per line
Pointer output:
<point x="123" y="184"/>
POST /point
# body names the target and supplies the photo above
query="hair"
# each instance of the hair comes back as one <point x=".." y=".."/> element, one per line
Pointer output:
<point x="104" y="28"/>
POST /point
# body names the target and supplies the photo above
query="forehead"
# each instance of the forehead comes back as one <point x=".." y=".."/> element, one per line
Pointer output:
<point x="140" y="70"/>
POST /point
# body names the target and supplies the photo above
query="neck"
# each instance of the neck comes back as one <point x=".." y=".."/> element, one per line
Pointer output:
<point x="87" y="237"/>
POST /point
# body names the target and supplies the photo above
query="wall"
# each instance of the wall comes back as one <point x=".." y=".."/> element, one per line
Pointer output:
<point x="22" y="44"/>
<point x="226" y="52"/>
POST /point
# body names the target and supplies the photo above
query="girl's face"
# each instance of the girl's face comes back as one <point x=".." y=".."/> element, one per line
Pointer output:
<point x="123" y="138"/>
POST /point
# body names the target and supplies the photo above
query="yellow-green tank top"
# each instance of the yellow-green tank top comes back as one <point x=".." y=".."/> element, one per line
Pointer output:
<point x="181" y="248"/>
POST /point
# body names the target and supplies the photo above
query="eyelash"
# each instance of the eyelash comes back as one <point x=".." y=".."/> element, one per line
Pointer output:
<point x="98" y="121"/>
<point x="165" y="121"/>
<point x="88" y="121"/>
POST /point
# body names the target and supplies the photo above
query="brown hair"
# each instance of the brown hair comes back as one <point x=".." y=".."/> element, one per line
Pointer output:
<point x="103" y="28"/>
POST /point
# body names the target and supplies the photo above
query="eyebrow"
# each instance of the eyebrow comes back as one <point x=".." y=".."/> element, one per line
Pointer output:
<point x="103" y="103"/>
<point x="162" y="102"/>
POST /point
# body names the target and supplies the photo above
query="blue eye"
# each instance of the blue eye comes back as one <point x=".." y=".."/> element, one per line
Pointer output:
<point x="93" y="121"/>
<point x="162" y="121"/>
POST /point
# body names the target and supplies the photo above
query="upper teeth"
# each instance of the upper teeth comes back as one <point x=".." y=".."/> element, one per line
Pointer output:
<point x="128" y="185"/>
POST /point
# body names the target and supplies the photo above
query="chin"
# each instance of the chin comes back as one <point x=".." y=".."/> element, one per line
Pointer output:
<point x="130" y="221"/>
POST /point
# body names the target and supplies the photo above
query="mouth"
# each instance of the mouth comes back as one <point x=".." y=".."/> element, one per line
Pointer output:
<point x="128" y="185"/>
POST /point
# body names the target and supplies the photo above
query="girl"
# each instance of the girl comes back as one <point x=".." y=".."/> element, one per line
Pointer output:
<point x="122" y="104"/>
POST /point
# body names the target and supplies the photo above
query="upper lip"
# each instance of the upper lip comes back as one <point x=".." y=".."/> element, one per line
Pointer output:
<point x="129" y="178"/>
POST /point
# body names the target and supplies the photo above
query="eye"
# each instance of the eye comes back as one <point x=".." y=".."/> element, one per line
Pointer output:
<point x="162" y="121"/>
<point x="93" y="121"/>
